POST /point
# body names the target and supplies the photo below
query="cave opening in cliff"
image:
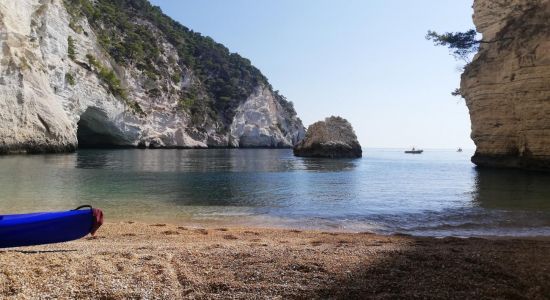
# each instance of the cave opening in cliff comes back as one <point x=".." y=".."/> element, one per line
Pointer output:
<point x="95" y="130"/>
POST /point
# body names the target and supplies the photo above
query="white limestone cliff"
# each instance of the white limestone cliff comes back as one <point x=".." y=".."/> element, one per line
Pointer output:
<point x="260" y="123"/>
<point x="41" y="110"/>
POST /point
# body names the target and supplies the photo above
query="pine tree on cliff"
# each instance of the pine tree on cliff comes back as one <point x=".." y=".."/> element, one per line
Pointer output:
<point x="462" y="45"/>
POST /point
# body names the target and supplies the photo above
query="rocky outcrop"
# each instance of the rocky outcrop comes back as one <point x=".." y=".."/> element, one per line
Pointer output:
<point x="506" y="85"/>
<point x="261" y="121"/>
<point x="60" y="87"/>
<point x="332" y="138"/>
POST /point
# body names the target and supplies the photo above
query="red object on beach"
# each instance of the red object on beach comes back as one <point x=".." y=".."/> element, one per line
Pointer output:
<point x="97" y="221"/>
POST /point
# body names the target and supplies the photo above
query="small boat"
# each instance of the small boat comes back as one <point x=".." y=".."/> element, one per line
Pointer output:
<point x="48" y="227"/>
<point x="459" y="150"/>
<point x="414" y="151"/>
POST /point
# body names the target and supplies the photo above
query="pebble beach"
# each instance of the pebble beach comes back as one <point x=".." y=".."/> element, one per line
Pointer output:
<point x="130" y="260"/>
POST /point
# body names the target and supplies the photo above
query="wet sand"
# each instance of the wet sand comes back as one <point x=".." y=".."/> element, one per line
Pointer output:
<point x="163" y="261"/>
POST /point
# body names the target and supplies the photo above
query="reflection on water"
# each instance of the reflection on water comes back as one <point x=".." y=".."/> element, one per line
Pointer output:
<point x="512" y="189"/>
<point x="96" y="161"/>
<point x="230" y="160"/>
<point x="329" y="165"/>
<point x="437" y="193"/>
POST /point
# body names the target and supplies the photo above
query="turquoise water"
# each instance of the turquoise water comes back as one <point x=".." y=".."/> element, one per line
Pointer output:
<point x="437" y="193"/>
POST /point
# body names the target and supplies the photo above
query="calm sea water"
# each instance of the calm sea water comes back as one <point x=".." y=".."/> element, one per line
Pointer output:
<point x="437" y="193"/>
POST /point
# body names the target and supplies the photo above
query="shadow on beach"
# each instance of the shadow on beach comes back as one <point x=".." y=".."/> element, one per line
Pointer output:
<point x="450" y="268"/>
<point x="163" y="261"/>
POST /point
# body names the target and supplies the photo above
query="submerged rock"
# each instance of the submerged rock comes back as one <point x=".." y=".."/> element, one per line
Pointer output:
<point x="332" y="138"/>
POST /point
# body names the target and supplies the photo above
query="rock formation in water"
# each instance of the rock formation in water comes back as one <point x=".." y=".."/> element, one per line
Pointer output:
<point x="121" y="73"/>
<point x="332" y="138"/>
<point x="506" y="86"/>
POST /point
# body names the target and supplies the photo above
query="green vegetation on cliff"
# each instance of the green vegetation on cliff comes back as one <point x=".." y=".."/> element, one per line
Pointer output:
<point x="132" y="31"/>
<point x="70" y="79"/>
<point x="462" y="44"/>
<point x="109" y="77"/>
<point x="71" y="52"/>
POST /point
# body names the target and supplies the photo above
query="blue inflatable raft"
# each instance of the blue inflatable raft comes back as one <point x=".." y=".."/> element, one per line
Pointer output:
<point x="48" y="227"/>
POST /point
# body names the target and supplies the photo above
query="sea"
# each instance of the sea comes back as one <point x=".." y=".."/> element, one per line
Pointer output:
<point x="437" y="193"/>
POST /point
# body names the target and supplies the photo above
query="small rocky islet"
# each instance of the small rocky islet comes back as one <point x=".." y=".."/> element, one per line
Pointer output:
<point x="77" y="72"/>
<point x="332" y="138"/>
<point x="122" y="72"/>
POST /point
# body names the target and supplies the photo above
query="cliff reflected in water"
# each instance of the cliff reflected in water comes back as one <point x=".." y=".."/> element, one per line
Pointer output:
<point x="329" y="165"/>
<point x="512" y="189"/>
<point x="255" y="178"/>
<point x="438" y="192"/>
<point x="229" y="160"/>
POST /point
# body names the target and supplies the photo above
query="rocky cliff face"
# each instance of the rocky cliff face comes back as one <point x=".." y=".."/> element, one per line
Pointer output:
<point x="507" y="88"/>
<point x="120" y="73"/>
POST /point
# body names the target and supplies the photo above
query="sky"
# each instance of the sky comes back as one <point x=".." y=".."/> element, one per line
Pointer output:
<point x="364" y="60"/>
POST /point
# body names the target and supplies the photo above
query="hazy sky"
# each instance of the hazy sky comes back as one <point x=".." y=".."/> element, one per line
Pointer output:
<point x="364" y="60"/>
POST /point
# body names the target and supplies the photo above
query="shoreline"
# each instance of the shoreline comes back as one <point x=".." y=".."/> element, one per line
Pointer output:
<point x="263" y="222"/>
<point x="158" y="260"/>
<point x="53" y="150"/>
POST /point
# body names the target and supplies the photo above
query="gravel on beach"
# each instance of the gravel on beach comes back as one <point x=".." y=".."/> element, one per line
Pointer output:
<point x="130" y="260"/>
